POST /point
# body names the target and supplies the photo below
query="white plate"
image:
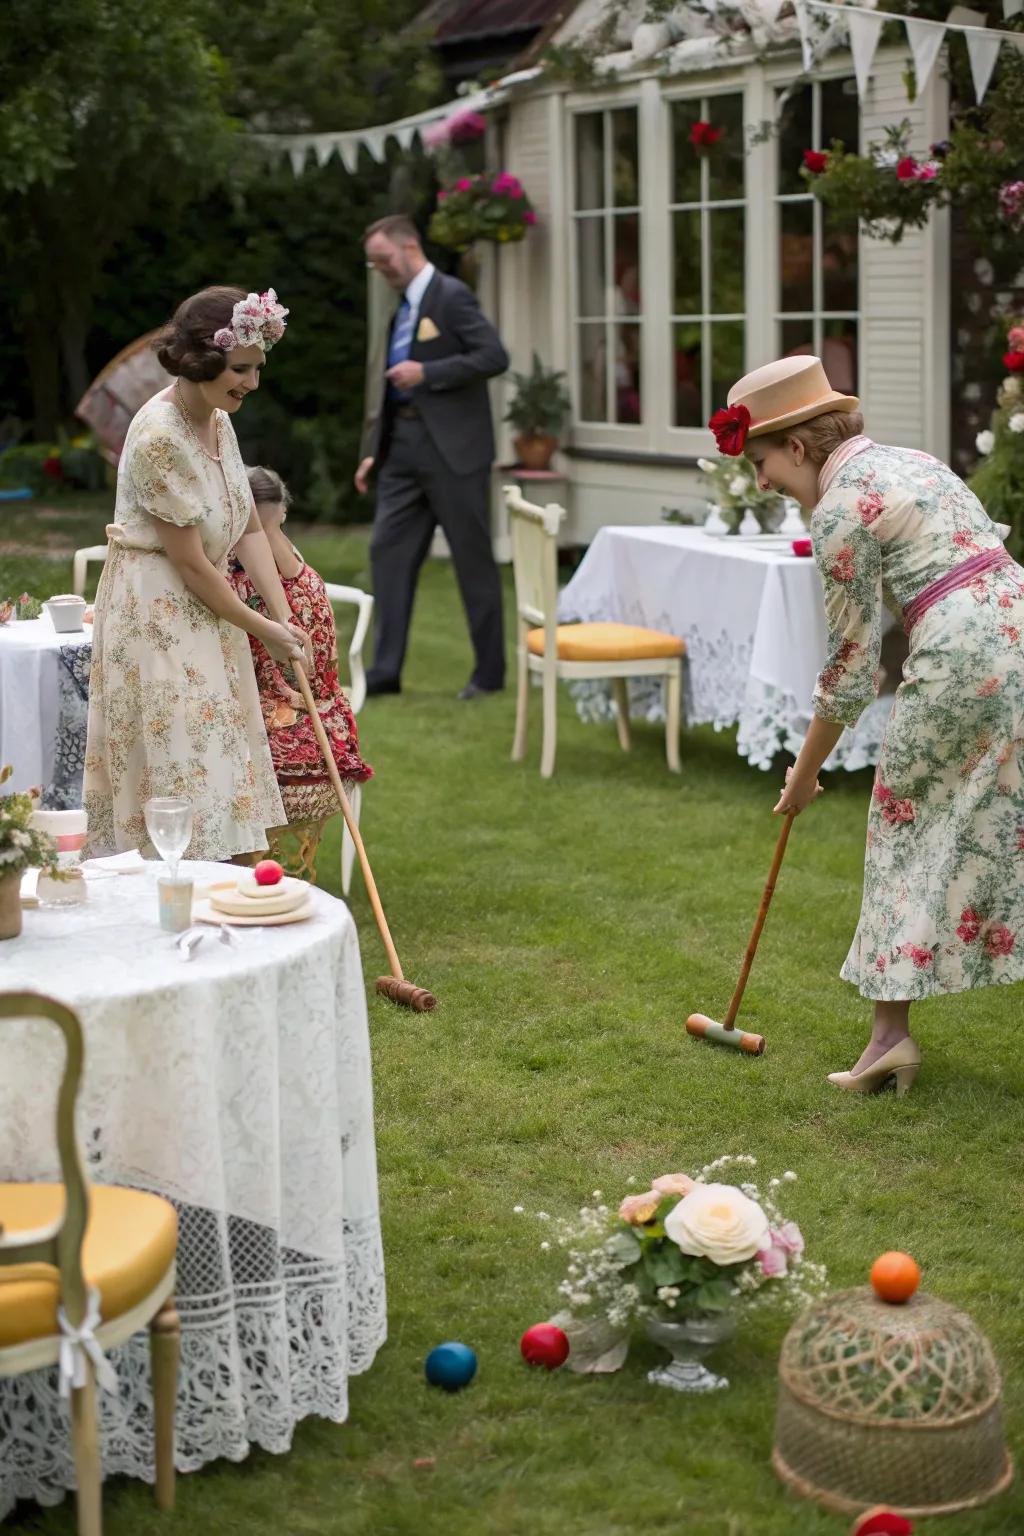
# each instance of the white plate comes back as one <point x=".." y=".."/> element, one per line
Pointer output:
<point x="204" y="912"/>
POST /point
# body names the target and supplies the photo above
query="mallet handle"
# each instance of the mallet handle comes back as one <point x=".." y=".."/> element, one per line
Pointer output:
<point x="729" y="1022"/>
<point x="350" y="821"/>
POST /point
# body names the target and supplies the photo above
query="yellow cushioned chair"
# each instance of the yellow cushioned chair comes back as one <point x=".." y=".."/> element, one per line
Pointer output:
<point x="78" y="1249"/>
<point x="575" y="651"/>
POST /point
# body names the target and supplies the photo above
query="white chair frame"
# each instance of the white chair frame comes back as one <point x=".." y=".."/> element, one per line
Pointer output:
<point x="81" y="561"/>
<point x="356" y="693"/>
<point x="534" y="532"/>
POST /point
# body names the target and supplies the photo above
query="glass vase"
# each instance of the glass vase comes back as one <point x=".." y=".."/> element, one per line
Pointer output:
<point x="688" y="1340"/>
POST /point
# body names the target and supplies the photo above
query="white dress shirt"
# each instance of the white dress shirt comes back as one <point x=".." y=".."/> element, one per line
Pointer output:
<point x="415" y="291"/>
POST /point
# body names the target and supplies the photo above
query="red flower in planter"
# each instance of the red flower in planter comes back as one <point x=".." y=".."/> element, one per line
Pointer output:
<point x="704" y="136"/>
<point x="815" y="161"/>
<point x="730" y="427"/>
<point x="908" y="169"/>
<point x="1014" y="361"/>
<point x="52" y="469"/>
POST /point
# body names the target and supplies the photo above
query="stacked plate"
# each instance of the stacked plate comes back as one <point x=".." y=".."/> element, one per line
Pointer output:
<point x="247" y="903"/>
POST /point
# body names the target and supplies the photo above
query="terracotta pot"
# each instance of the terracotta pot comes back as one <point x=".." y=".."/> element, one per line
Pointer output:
<point x="535" y="450"/>
<point x="10" y="906"/>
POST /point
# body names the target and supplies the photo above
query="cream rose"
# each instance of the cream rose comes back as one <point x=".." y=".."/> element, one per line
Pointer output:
<point x="718" y="1222"/>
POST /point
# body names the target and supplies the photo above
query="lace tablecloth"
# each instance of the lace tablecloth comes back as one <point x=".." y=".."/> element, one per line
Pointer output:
<point x="238" y="1085"/>
<point x="753" y="619"/>
<point x="44" y="692"/>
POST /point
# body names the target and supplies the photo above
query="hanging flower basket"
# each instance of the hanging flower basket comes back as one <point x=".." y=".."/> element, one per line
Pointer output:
<point x="484" y="207"/>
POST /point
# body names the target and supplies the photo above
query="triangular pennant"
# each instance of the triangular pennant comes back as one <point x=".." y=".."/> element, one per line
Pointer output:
<point x="297" y="156"/>
<point x="324" y="149"/>
<point x="925" y="39"/>
<point x="770" y="10"/>
<point x="865" y="30"/>
<point x="1012" y="8"/>
<point x="348" y="148"/>
<point x="983" y="50"/>
<point x="803" y="19"/>
<point x="375" y="144"/>
<point x="406" y="135"/>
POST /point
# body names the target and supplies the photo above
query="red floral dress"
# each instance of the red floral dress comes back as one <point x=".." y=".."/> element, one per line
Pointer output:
<point x="305" y="788"/>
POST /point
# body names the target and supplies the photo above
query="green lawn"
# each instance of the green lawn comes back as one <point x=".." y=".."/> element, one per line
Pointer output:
<point x="567" y="929"/>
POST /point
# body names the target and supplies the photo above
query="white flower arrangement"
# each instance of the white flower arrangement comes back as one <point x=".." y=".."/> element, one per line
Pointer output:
<point x="1016" y="422"/>
<point x="985" y="442"/>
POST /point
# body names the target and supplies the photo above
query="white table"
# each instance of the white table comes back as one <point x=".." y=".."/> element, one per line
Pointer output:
<point x="238" y="1085"/>
<point x="753" y="619"/>
<point x="31" y="697"/>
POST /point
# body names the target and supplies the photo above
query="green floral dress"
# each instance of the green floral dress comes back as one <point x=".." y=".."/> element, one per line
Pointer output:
<point x="943" y="906"/>
<point x="173" y="703"/>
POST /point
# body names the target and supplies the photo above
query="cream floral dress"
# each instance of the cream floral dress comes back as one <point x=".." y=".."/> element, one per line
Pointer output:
<point x="173" y="703"/>
<point x="943" y="906"/>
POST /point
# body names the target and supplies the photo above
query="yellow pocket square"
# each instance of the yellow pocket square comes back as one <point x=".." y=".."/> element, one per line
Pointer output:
<point x="427" y="330"/>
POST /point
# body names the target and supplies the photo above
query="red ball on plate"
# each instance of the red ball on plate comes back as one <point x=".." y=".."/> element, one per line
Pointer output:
<point x="268" y="872"/>
<point x="802" y="547"/>
<point x="545" y="1345"/>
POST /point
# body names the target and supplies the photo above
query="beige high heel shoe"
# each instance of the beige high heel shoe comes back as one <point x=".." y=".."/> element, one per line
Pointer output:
<point x="899" y="1066"/>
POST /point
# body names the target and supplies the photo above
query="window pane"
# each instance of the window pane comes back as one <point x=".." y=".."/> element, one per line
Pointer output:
<point x="590" y="277"/>
<point x="726" y="161"/>
<point x="625" y="158"/>
<point x="627" y="373"/>
<point x="796" y="338"/>
<point x="593" y="376"/>
<point x="687" y="263"/>
<point x="840" y="117"/>
<point x="795" y="134"/>
<point x="687" y="360"/>
<point x="626" y="234"/>
<point x="796" y="256"/>
<point x="727" y="285"/>
<point x="685" y="159"/>
<point x="838" y="264"/>
<point x="726" y="361"/>
<point x="839" y="354"/>
<point x="590" y="160"/>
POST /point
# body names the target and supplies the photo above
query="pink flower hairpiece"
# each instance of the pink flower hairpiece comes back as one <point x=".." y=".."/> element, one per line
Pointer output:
<point x="256" y="321"/>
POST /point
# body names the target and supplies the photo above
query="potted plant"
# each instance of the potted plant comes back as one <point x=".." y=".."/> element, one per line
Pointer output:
<point x="538" y="410"/>
<point x="21" y="847"/>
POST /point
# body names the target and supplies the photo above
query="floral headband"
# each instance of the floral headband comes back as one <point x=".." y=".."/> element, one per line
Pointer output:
<point x="731" y="427"/>
<point x="256" y="321"/>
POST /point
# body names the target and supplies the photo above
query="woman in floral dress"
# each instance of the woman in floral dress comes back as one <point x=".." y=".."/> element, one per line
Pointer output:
<point x="943" y="906"/>
<point x="308" y="795"/>
<point x="173" y="705"/>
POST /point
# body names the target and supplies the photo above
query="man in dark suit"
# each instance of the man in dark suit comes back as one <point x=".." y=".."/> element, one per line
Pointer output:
<point x="428" y="437"/>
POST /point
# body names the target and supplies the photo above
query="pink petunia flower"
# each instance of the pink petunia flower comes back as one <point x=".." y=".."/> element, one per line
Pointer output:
<point x="773" y="1262"/>
<point x="908" y="169"/>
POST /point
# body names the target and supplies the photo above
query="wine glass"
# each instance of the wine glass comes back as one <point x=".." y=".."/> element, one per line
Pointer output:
<point x="169" y="824"/>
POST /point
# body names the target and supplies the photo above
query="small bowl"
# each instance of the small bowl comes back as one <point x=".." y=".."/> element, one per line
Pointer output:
<point x="65" y="612"/>
<point x="803" y="547"/>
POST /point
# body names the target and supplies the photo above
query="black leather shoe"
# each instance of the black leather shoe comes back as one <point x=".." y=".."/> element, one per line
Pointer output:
<point x="474" y="691"/>
<point x="382" y="685"/>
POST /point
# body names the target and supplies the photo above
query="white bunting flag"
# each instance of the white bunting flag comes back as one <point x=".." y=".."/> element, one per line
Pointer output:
<point x="349" y="147"/>
<point x="770" y="9"/>
<point x="297" y="156"/>
<point x="983" y="50"/>
<point x="324" y="150"/>
<point x="865" y="30"/>
<point x="925" y="39"/>
<point x="1012" y="8"/>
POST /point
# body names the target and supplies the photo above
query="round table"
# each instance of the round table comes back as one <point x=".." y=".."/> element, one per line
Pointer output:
<point x="238" y="1085"/>
<point x="38" y="697"/>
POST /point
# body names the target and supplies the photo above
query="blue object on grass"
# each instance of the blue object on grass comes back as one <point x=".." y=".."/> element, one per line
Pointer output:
<point x="21" y="494"/>
<point x="451" y="1366"/>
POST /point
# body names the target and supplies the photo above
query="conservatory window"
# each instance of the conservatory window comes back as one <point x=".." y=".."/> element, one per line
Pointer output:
<point x="606" y="220"/>
<point x="708" y="216"/>
<point x="818" y="295"/>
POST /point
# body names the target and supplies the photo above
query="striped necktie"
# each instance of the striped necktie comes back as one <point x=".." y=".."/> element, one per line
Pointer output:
<point x="401" y="344"/>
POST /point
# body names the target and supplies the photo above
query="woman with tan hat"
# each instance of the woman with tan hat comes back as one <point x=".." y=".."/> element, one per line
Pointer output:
<point x="943" y="906"/>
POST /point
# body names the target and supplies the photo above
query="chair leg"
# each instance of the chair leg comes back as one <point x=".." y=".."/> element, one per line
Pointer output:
<point x="522" y="705"/>
<point x="547" y="754"/>
<point x="621" y="692"/>
<point x="88" y="1468"/>
<point x="164" y="1352"/>
<point x="348" y="847"/>
<point x="673" y="690"/>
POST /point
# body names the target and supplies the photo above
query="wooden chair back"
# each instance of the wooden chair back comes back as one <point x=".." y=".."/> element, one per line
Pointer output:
<point x="534" y="534"/>
<point x="60" y="1243"/>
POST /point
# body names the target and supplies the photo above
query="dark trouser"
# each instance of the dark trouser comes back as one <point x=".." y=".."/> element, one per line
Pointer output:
<point x="416" y="490"/>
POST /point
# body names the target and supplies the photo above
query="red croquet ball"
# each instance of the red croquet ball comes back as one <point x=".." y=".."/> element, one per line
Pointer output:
<point x="545" y="1345"/>
<point x="268" y="872"/>
<point x="802" y="547"/>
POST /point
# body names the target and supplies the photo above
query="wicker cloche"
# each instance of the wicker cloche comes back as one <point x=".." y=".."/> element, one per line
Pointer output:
<point x="889" y="1404"/>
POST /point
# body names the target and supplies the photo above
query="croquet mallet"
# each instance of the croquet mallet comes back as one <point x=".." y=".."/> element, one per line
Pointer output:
<point x="394" y="986"/>
<point x="726" y="1033"/>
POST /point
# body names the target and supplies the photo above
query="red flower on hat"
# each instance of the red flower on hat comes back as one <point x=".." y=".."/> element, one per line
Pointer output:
<point x="815" y="161"/>
<point x="882" y="1522"/>
<point x="703" y="136"/>
<point x="730" y="427"/>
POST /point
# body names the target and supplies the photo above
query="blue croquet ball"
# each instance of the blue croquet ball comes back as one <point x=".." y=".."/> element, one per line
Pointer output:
<point x="451" y="1366"/>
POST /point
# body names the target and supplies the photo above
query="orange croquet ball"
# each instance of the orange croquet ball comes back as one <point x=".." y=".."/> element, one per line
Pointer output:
<point x="895" y="1276"/>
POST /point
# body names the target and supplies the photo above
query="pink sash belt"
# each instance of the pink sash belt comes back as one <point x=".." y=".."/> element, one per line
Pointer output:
<point x="960" y="576"/>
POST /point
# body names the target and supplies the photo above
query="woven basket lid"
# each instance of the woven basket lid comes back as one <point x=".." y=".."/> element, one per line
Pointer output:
<point x="868" y="1361"/>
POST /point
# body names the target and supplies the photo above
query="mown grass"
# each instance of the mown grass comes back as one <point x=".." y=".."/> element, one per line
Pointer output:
<point x="568" y="928"/>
